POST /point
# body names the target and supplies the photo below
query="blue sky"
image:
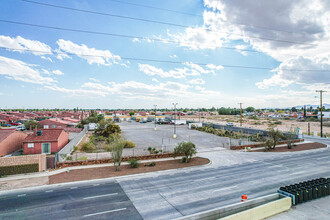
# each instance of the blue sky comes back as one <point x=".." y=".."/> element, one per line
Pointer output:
<point x="46" y="68"/>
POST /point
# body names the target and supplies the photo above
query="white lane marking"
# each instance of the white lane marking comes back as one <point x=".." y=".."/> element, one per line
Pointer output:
<point x="21" y="195"/>
<point x="74" y="187"/>
<point x="96" y="184"/>
<point x="100" y="213"/>
<point x="49" y="191"/>
<point x="92" y="197"/>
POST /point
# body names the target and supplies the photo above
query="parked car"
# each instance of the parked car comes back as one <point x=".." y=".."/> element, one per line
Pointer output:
<point x="230" y="124"/>
<point x="149" y="120"/>
<point x="14" y="124"/>
<point x="142" y="121"/>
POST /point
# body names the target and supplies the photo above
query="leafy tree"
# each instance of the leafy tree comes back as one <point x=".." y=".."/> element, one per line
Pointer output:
<point x="250" y="109"/>
<point x="111" y="128"/>
<point x="275" y="136"/>
<point x="131" y="113"/>
<point x="31" y="124"/>
<point x="187" y="149"/>
<point x="293" y="109"/>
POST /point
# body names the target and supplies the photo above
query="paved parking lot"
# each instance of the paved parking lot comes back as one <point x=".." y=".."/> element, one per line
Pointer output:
<point x="144" y="136"/>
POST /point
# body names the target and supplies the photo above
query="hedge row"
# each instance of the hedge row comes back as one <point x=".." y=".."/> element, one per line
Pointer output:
<point x="18" y="169"/>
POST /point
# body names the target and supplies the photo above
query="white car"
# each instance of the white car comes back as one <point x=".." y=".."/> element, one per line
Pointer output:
<point x="230" y="124"/>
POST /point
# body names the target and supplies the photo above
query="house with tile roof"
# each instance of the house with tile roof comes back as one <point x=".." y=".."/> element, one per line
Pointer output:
<point x="45" y="141"/>
<point x="10" y="141"/>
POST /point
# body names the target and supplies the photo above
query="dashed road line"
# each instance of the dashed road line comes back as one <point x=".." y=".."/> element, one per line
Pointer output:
<point x="48" y="191"/>
<point x="92" y="197"/>
<point x="101" y="213"/>
<point x="21" y="195"/>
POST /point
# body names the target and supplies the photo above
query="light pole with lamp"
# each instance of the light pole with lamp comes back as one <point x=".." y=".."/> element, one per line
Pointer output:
<point x="174" y="104"/>
<point x="155" y="117"/>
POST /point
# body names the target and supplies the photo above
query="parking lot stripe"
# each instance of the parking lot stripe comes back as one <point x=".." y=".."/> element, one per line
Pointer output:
<point x="92" y="197"/>
<point x="49" y="191"/>
<point x="21" y="195"/>
<point x="100" y="213"/>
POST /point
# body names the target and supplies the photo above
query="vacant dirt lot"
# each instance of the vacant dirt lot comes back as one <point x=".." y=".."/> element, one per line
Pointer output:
<point x="263" y="123"/>
<point x="104" y="172"/>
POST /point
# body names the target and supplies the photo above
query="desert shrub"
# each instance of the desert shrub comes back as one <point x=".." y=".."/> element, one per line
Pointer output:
<point x="277" y="122"/>
<point x="276" y="136"/>
<point x="134" y="163"/>
<point x="88" y="147"/>
<point x="152" y="164"/>
<point x="268" y="145"/>
<point x="152" y="150"/>
<point x="92" y="138"/>
<point x="100" y="138"/>
<point x="82" y="158"/>
<point x="75" y="148"/>
<point x="129" y="144"/>
<point x="187" y="149"/>
<point x="69" y="158"/>
<point x="117" y="147"/>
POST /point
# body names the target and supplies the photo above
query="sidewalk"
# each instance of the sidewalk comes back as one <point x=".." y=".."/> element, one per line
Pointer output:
<point x="42" y="178"/>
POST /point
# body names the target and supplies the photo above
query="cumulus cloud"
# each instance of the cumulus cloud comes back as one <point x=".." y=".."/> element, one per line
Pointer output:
<point x="21" y="71"/>
<point x="286" y="73"/>
<point x="91" y="55"/>
<point x="76" y="92"/>
<point x="20" y="44"/>
<point x="198" y="81"/>
<point x="94" y="80"/>
<point x="190" y="69"/>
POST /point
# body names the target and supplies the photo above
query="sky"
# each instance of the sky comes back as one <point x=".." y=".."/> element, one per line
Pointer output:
<point x="139" y="53"/>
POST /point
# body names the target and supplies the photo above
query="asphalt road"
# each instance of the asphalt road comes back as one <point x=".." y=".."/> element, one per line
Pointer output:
<point x="317" y="139"/>
<point x="182" y="193"/>
<point x="168" y="194"/>
<point x="81" y="201"/>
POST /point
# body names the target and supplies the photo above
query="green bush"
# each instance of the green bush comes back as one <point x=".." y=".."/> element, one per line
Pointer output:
<point x="134" y="163"/>
<point x="75" y="148"/>
<point x="88" y="147"/>
<point x="111" y="129"/>
<point x="100" y="138"/>
<point x="152" y="150"/>
<point x="152" y="164"/>
<point x="187" y="149"/>
<point x="69" y="158"/>
<point x="18" y="169"/>
<point x="129" y="144"/>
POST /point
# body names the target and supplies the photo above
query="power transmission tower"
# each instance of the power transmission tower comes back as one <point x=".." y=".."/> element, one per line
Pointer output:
<point x="240" y="105"/>
<point x="321" y="107"/>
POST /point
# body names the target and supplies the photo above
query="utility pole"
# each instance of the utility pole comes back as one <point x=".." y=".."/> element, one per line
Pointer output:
<point x="174" y="104"/>
<point x="199" y="114"/>
<point x="155" y="117"/>
<point x="240" y="105"/>
<point x="321" y="91"/>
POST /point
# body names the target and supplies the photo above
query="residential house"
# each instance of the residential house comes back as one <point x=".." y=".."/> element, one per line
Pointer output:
<point x="45" y="141"/>
<point x="10" y="141"/>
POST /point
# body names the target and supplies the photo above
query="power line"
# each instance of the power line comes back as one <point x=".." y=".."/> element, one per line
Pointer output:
<point x="129" y="36"/>
<point x="159" y="61"/>
<point x="160" y="22"/>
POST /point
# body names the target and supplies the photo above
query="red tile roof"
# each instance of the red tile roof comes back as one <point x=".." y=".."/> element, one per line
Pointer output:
<point x="4" y="133"/>
<point x="47" y="135"/>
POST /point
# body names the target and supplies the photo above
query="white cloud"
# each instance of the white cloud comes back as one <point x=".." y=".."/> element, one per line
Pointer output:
<point x="19" y="44"/>
<point x="94" y="80"/>
<point x="285" y="74"/>
<point x="177" y="73"/>
<point x="154" y="80"/>
<point x="198" y="81"/>
<point x="91" y="55"/>
<point x="173" y="56"/>
<point x="57" y="72"/>
<point x="19" y="70"/>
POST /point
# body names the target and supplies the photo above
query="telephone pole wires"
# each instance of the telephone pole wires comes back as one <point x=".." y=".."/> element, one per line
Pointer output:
<point x="321" y="108"/>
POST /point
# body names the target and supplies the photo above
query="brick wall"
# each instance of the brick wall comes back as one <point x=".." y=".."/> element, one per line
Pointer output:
<point x="12" y="143"/>
<point x="27" y="159"/>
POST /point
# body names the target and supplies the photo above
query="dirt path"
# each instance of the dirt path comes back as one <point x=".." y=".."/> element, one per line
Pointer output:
<point x="104" y="172"/>
<point x="299" y="147"/>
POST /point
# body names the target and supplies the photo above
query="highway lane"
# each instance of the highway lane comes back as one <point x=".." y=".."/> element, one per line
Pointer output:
<point x="84" y="201"/>
<point x="183" y="193"/>
<point x="317" y="139"/>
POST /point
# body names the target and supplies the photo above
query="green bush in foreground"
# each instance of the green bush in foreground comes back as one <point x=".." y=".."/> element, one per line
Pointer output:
<point x="129" y="144"/>
<point x="134" y="163"/>
<point x="187" y="149"/>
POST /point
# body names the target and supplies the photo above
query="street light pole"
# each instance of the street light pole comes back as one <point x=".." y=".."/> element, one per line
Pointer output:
<point x="174" y="134"/>
<point x="240" y="105"/>
<point x="321" y="91"/>
<point x="155" y="117"/>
